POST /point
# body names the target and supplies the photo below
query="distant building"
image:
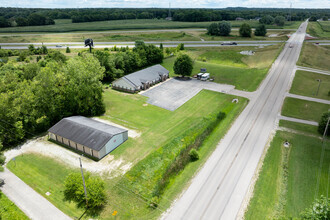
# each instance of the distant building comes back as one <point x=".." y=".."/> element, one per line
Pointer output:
<point x="141" y="80"/>
<point x="168" y="18"/>
<point x="239" y="19"/>
<point x="88" y="136"/>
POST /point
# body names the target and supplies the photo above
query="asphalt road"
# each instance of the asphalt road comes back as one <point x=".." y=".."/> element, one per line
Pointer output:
<point x="29" y="201"/>
<point x="219" y="189"/>
<point x="313" y="70"/>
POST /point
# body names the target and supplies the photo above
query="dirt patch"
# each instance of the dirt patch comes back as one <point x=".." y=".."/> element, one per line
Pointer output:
<point x="131" y="133"/>
<point x="108" y="165"/>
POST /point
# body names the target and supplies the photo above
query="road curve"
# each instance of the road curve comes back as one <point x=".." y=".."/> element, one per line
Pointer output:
<point x="219" y="188"/>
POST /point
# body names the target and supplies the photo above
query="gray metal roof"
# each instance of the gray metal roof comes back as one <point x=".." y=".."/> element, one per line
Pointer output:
<point x="149" y="74"/>
<point x="85" y="131"/>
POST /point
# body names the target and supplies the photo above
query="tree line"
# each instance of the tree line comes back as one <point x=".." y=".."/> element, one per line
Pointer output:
<point x="127" y="61"/>
<point x="33" y="16"/>
<point x="33" y="97"/>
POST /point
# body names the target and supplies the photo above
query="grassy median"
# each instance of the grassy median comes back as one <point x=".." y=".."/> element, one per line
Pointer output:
<point x="307" y="84"/>
<point x="302" y="109"/>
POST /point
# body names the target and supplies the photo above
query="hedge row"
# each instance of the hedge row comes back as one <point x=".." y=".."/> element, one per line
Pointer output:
<point x="149" y="177"/>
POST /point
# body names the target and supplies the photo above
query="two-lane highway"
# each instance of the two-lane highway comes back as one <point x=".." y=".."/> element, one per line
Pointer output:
<point x="219" y="188"/>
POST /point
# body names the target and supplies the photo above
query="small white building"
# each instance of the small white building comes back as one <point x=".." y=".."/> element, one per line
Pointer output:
<point x="88" y="136"/>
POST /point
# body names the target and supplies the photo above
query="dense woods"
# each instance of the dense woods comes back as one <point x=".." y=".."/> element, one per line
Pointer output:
<point x="34" y="16"/>
<point x="32" y="97"/>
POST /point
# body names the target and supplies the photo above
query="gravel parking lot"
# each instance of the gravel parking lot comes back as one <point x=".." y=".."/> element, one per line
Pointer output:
<point x="175" y="92"/>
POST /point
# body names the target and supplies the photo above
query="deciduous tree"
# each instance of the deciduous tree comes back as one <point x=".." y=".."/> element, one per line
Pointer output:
<point x="183" y="65"/>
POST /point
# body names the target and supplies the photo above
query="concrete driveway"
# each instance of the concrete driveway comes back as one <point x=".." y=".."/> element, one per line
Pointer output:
<point x="175" y="92"/>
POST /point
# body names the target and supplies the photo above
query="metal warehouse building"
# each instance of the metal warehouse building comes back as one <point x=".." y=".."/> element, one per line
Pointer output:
<point x="141" y="80"/>
<point x="91" y="137"/>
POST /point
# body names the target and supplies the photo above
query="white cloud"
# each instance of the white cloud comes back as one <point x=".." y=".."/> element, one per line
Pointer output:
<point x="164" y="3"/>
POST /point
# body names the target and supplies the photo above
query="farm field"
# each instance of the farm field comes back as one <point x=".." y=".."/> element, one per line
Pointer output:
<point x="288" y="178"/>
<point x="159" y="127"/>
<point x="226" y="65"/>
<point x="315" y="56"/>
<point x="306" y="84"/>
<point x="65" y="25"/>
<point x="9" y="210"/>
<point x="303" y="109"/>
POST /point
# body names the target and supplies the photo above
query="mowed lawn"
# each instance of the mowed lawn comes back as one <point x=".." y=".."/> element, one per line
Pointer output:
<point x="302" y="109"/>
<point x="315" y="56"/>
<point x="8" y="209"/>
<point x="226" y="65"/>
<point x="304" y="128"/>
<point x="158" y="126"/>
<point x="45" y="174"/>
<point x="307" y="84"/>
<point x="287" y="182"/>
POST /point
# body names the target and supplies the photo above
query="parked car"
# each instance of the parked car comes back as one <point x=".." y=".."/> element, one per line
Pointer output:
<point x="58" y="45"/>
<point x="229" y="43"/>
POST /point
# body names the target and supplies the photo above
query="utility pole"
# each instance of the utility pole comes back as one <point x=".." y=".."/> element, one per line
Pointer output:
<point x="82" y="174"/>
<point x="317" y="92"/>
<point x="325" y="130"/>
<point x="169" y="10"/>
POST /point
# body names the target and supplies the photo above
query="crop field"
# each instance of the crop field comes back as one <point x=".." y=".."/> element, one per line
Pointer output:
<point x="303" y="109"/>
<point x="226" y="65"/>
<point x="65" y="25"/>
<point x="315" y="56"/>
<point x="158" y="127"/>
<point x="307" y="83"/>
<point x="288" y="178"/>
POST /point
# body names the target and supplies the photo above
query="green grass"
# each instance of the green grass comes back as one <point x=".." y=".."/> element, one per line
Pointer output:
<point x="303" y="109"/>
<point x="315" y="56"/>
<point x="8" y="209"/>
<point x="158" y="127"/>
<point x="66" y="26"/>
<point x="325" y="25"/>
<point x="44" y="174"/>
<point x="291" y="186"/>
<point x="319" y="29"/>
<point x="306" y="84"/>
<point x="226" y="65"/>
<point x="304" y="128"/>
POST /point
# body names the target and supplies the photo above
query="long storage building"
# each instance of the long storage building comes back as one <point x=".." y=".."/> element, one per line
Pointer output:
<point x="88" y="136"/>
<point x="141" y="80"/>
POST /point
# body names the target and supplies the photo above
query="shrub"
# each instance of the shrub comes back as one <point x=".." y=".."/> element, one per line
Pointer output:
<point x="260" y="30"/>
<point x="245" y="30"/>
<point x="193" y="154"/>
<point x="180" y="46"/>
<point x="154" y="202"/>
<point x="320" y="209"/>
<point x="67" y="50"/>
<point x="323" y="123"/>
<point x="183" y="65"/>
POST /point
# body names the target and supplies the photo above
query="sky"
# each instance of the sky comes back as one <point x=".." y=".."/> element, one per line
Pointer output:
<point x="164" y="3"/>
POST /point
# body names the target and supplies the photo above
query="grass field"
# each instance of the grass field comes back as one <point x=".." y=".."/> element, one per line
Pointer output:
<point x="226" y="65"/>
<point x="66" y="25"/>
<point x="182" y="35"/>
<point x="158" y="127"/>
<point x="315" y="56"/>
<point x="306" y="84"/>
<point x="8" y="210"/>
<point x="43" y="175"/>
<point x="319" y="29"/>
<point x="303" y="109"/>
<point x="287" y="182"/>
<point x="303" y="128"/>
